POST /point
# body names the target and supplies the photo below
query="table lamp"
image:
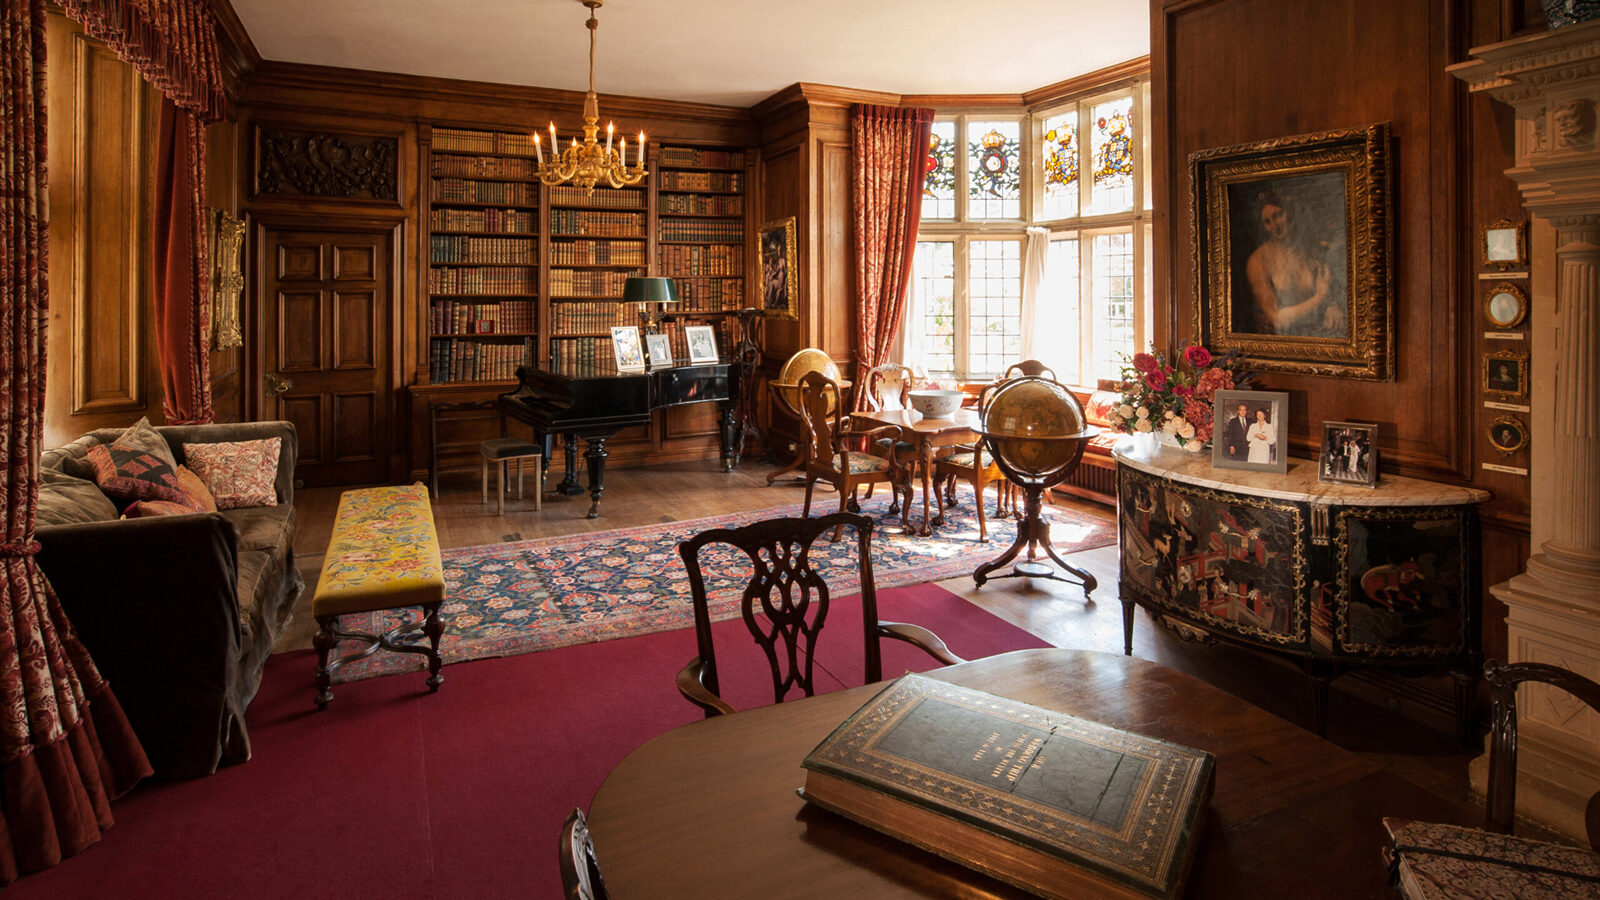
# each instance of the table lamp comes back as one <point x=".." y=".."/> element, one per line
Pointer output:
<point x="652" y="294"/>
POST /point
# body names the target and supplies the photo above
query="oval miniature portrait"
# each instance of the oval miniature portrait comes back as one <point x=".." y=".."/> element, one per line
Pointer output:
<point x="1507" y="434"/>
<point x="1505" y="306"/>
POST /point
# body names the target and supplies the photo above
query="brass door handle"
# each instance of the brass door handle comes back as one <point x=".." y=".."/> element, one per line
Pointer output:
<point x="277" y="384"/>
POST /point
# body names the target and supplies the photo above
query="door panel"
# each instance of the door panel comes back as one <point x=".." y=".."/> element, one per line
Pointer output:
<point x="328" y="361"/>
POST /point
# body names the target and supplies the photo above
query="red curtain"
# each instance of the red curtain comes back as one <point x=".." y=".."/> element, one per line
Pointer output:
<point x="65" y="747"/>
<point x="889" y="147"/>
<point x="173" y="44"/>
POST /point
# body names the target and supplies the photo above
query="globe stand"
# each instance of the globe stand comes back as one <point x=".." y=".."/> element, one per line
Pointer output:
<point x="1033" y="532"/>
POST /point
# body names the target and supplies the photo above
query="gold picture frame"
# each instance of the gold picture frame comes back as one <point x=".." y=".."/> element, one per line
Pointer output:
<point x="1505" y="306"/>
<point x="1503" y="244"/>
<point x="1294" y="252"/>
<point x="1505" y="374"/>
<point x="780" y="276"/>
<point x="1508" y="435"/>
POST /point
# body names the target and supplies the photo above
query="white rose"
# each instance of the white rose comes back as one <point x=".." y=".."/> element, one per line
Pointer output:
<point x="1194" y="446"/>
<point x="1126" y="410"/>
<point x="1169" y="414"/>
<point x="1171" y="426"/>
<point x="1144" y="412"/>
<point x="1142" y="425"/>
<point x="1187" y="430"/>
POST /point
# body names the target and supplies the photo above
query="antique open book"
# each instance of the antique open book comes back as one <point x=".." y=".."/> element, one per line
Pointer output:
<point x="1056" y="805"/>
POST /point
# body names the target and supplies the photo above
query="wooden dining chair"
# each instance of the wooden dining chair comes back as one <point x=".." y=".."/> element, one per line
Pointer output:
<point x="785" y="604"/>
<point x="889" y="387"/>
<point x="1029" y="368"/>
<point x="973" y="464"/>
<point x="830" y="453"/>
<point x="1423" y="853"/>
<point x="580" y="872"/>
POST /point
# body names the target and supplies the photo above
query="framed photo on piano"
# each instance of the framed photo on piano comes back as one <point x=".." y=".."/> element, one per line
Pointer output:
<point x="702" y="343"/>
<point x="660" y="347"/>
<point x="625" y="345"/>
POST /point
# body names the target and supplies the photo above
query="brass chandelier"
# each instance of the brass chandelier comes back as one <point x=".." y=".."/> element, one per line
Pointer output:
<point x="588" y="164"/>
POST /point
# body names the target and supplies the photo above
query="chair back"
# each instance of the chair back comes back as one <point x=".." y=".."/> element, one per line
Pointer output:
<point x="1501" y="795"/>
<point x="1029" y="368"/>
<point x="786" y="601"/>
<point x="822" y="414"/>
<point x="580" y="873"/>
<point x="786" y="389"/>
<point x="889" y="386"/>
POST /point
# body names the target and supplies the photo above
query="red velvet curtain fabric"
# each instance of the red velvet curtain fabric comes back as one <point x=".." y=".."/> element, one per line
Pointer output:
<point x="173" y="44"/>
<point x="183" y="307"/>
<point x="889" y="147"/>
<point x="65" y="747"/>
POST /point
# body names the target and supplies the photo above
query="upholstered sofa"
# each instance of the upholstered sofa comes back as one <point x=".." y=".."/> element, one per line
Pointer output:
<point x="180" y="612"/>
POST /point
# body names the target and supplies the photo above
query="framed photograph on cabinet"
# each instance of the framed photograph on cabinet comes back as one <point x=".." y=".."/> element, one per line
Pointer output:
<point x="1251" y="431"/>
<point x="1505" y="374"/>
<point x="1508" y="435"/>
<point x="625" y="346"/>
<point x="1293" y="252"/>
<point x="702" y="343"/>
<point x="1349" y="454"/>
<point x="1504" y="245"/>
<point x="1506" y="306"/>
<point x="660" y="347"/>
<point x="780" y="278"/>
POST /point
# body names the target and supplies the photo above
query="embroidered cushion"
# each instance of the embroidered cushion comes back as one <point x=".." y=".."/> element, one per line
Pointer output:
<point x="131" y="474"/>
<point x="238" y="473"/>
<point x="141" y="435"/>
<point x="861" y="463"/>
<point x="144" y="509"/>
<point x="1445" y="862"/>
<point x="195" y="493"/>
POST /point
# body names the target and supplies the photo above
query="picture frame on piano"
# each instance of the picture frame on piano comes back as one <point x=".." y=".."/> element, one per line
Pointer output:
<point x="702" y="341"/>
<point x="660" y="347"/>
<point x="625" y="346"/>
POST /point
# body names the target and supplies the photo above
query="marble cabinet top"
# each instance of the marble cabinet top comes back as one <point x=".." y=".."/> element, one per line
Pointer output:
<point x="1298" y="484"/>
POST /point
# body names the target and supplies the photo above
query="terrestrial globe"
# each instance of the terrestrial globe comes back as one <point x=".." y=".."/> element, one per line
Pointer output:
<point x="787" y="387"/>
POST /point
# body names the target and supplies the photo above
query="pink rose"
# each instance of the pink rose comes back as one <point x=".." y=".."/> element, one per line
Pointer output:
<point x="1184" y="391"/>
<point x="1144" y="362"/>
<point x="1198" y="356"/>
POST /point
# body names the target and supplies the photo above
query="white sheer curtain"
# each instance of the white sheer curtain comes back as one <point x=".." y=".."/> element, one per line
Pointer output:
<point x="908" y="346"/>
<point x="1045" y="333"/>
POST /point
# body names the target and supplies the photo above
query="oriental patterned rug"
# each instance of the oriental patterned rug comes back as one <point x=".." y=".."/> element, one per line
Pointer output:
<point x="504" y="599"/>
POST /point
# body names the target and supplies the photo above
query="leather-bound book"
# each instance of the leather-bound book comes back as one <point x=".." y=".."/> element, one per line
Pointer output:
<point x="1057" y="805"/>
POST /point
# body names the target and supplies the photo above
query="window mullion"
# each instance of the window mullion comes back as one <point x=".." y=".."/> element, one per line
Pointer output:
<point x="963" y="321"/>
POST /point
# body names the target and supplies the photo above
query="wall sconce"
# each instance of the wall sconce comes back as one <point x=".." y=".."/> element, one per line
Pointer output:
<point x="228" y="238"/>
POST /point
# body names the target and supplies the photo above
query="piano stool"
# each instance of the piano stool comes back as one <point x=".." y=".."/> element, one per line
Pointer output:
<point x="384" y="554"/>
<point x="502" y="452"/>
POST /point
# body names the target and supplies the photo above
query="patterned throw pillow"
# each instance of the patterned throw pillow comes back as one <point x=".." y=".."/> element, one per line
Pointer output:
<point x="239" y="473"/>
<point x="129" y="474"/>
<point x="195" y="493"/>
<point x="144" y="509"/>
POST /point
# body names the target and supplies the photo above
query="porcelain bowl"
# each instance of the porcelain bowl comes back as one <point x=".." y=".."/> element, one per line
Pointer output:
<point x="936" y="404"/>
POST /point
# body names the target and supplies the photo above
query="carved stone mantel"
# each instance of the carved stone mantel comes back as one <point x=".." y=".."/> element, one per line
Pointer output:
<point x="1552" y="81"/>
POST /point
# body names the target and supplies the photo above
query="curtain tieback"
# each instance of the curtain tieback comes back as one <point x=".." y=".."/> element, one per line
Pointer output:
<point x="10" y="549"/>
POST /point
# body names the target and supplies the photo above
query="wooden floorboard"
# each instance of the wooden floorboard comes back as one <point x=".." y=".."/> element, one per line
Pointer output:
<point x="1056" y="612"/>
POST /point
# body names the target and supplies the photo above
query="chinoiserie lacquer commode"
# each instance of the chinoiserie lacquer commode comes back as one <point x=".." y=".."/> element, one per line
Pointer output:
<point x="1338" y="576"/>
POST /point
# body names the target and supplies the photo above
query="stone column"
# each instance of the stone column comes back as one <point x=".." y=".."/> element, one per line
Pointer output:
<point x="1572" y="553"/>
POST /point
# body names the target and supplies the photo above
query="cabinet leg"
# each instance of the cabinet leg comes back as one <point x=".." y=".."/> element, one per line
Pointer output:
<point x="1128" y="607"/>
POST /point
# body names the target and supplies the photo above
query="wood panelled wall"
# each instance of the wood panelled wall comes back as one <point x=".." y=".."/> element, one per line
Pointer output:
<point x="1228" y="72"/>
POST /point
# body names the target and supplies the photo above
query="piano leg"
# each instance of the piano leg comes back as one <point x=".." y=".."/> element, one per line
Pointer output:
<point x="596" y="455"/>
<point x="569" y="483"/>
<point x="730" y="439"/>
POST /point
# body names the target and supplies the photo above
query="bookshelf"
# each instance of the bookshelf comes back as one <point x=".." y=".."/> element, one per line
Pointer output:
<point x="596" y="241"/>
<point x="701" y="229"/>
<point x="483" y="256"/>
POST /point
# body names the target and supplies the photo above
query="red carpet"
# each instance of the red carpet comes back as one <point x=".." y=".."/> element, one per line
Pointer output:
<point x="394" y="793"/>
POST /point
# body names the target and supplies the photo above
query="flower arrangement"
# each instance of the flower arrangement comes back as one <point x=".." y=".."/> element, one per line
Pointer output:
<point x="1175" y="398"/>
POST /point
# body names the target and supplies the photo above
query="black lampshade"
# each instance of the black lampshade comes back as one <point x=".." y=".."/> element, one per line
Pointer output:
<point x="649" y="289"/>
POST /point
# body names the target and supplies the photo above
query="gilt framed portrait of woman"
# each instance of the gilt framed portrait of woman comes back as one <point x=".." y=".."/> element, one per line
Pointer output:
<point x="1292" y="255"/>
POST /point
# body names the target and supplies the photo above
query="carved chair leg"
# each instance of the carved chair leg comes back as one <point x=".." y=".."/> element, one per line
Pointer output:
<point x="324" y="641"/>
<point x="847" y="497"/>
<point x="811" y="484"/>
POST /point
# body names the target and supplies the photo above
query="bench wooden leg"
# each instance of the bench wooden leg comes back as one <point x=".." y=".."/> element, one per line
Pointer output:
<point x="433" y="627"/>
<point x="324" y="641"/>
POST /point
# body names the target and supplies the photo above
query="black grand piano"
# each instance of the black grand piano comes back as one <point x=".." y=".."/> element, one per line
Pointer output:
<point x="595" y="405"/>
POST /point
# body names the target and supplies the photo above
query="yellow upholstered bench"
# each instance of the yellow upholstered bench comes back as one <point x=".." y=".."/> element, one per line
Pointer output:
<point x="384" y="554"/>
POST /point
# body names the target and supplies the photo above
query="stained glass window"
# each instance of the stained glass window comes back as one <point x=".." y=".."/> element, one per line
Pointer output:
<point x="1111" y="155"/>
<point x="933" y="279"/>
<point x="1060" y="160"/>
<point x="994" y="306"/>
<point x="994" y="170"/>
<point x="1112" y="264"/>
<point x="939" y="189"/>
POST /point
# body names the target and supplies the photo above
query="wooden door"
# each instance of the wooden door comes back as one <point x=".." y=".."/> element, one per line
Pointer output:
<point x="327" y="359"/>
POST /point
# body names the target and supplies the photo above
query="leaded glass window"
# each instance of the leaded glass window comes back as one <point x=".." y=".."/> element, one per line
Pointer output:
<point x="994" y="303"/>
<point x="1111" y="153"/>
<point x="994" y="170"/>
<point x="1113" y="299"/>
<point x="933" y="282"/>
<point x="939" y="188"/>
<point x="1060" y="158"/>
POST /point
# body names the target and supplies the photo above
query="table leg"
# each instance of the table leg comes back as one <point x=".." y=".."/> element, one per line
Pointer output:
<point x="926" y="452"/>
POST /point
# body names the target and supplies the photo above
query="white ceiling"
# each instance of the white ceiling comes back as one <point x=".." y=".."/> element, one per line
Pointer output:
<point x="733" y="52"/>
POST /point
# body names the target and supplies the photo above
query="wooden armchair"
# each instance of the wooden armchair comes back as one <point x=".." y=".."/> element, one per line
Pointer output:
<point x="1029" y="368"/>
<point x="580" y="872"/>
<point x="1425" y="857"/>
<point x="970" y="463"/>
<point x="889" y="387"/>
<point x="785" y="604"/>
<point x="829" y="456"/>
